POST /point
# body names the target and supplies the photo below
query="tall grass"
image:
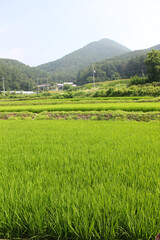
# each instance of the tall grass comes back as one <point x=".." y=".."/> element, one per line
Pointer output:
<point x="79" y="180"/>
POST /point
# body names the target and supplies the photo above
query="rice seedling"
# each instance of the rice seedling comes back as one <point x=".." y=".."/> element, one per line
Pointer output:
<point x="125" y="106"/>
<point x="49" y="101"/>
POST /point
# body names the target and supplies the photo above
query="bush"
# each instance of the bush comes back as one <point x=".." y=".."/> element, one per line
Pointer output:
<point x="46" y="94"/>
<point x="69" y="94"/>
<point x="57" y="96"/>
<point x="136" y="80"/>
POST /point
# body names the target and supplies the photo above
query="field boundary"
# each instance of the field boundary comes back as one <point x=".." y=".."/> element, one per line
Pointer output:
<point x="82" y="115"/>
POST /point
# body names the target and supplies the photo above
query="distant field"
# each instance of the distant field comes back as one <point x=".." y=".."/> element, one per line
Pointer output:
<point x="112" y="83"/>
<point x="50" y="101"/>
<point x="125" y="106"/>
<point x="107" y="108"/>
<point x="79" y="180"/>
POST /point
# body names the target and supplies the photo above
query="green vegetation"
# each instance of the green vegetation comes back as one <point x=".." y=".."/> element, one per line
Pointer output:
<point x="75" y="67"/>
<point x="66" y="68"/>
<point x="123" y="66"/>
<point x="133" y="106"/>
<point x="113" y="69"/>
<point x="134" y="87"/>
<point x="79" y="180"/>
<point x="52" y="101"/>
<point x="85" y="115"/>
<point x="153" y="66"/>
<point x="19" y="76"/>
<point x="105" y="108"/>
<point x="81" y="108"/>
<point x="107" y="67"/>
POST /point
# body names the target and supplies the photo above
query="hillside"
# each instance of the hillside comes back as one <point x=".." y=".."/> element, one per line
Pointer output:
<point x="122" y="66"/>
<point x="67" y="67"/>
<point x="136" y="53"/>
<point x="18" y="76"/>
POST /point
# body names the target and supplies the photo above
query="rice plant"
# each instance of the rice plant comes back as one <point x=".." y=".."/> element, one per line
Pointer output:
<point x="125" y="106"/>
<point x="79" y="180"/>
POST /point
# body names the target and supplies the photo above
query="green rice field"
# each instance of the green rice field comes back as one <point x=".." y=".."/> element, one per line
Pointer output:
<point x="125" y="106"/>
<point x="80" y="179"/>
<point x="50" y="101"/>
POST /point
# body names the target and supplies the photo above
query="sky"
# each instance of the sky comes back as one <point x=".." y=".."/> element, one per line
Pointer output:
<point x="39" y="31"/>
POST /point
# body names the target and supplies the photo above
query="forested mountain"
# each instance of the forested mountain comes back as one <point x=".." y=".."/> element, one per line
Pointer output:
<point x="123" y="66"/>
<point x="18" y="76"/>
<point x="66" y="68"/>
<point x="136" y="53"/>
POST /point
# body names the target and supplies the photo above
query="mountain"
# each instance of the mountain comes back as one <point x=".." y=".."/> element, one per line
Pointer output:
<point x="18" y="76"/>
<point x="67" y="67"/>
<point x="122" y="66"/>
<point x="136" y="53"/>
<point x="157" y="47"/>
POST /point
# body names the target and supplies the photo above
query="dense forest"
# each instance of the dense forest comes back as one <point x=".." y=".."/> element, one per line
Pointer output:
<point x="113" y="69"/>
<point x="18" y="76"/>
<point x="120" y="67"/>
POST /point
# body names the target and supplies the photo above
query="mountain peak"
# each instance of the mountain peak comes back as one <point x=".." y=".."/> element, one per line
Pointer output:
<point x="95" y="51"/>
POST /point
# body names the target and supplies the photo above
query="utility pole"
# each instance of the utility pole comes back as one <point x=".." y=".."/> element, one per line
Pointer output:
<point x="143" y="73"/>
<point x="3" y="86"/>
<point x="94" y="76"/>
<point x="56" y="86"/>
<point x="47" y="85"/>
<point x="37" y="86"/>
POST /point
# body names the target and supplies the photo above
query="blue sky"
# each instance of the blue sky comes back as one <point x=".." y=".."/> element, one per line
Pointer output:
<point x="39" y="31"/>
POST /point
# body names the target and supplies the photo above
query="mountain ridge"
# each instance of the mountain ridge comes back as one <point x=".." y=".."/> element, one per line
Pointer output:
<point x="95" y="51"/>
<point x="91" y="46"/>
<point x="123" y="66"/>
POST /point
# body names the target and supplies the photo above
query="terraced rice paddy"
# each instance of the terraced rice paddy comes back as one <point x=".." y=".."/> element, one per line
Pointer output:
<point x="79" y="180"/>
<point x="125" y="106"/>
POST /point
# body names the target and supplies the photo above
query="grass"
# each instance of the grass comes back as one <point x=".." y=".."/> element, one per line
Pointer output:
<point x="49" y="101"/>
<point x="83" y="115"/>
<point x="79" y="180"/>
<point x="125" y="106"/>
<point x="106" y="84"/>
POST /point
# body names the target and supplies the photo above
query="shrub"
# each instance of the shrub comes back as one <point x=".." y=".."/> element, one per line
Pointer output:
<point x="136" y="80"/>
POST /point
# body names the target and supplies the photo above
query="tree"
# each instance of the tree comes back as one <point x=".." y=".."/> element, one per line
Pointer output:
<point x="115" y="76"/>
<point x="68" y="87"/>
<point x="153" y="66"/>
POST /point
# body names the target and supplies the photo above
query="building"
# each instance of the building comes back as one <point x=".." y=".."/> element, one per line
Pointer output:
<point x="19" y="92"/>
<point x="42" y="87"/>
<point x="59" y="86"/>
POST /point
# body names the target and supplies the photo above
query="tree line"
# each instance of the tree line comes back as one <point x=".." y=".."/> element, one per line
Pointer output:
<point x="113" y="69"/>
<point x="18" y="76"/>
